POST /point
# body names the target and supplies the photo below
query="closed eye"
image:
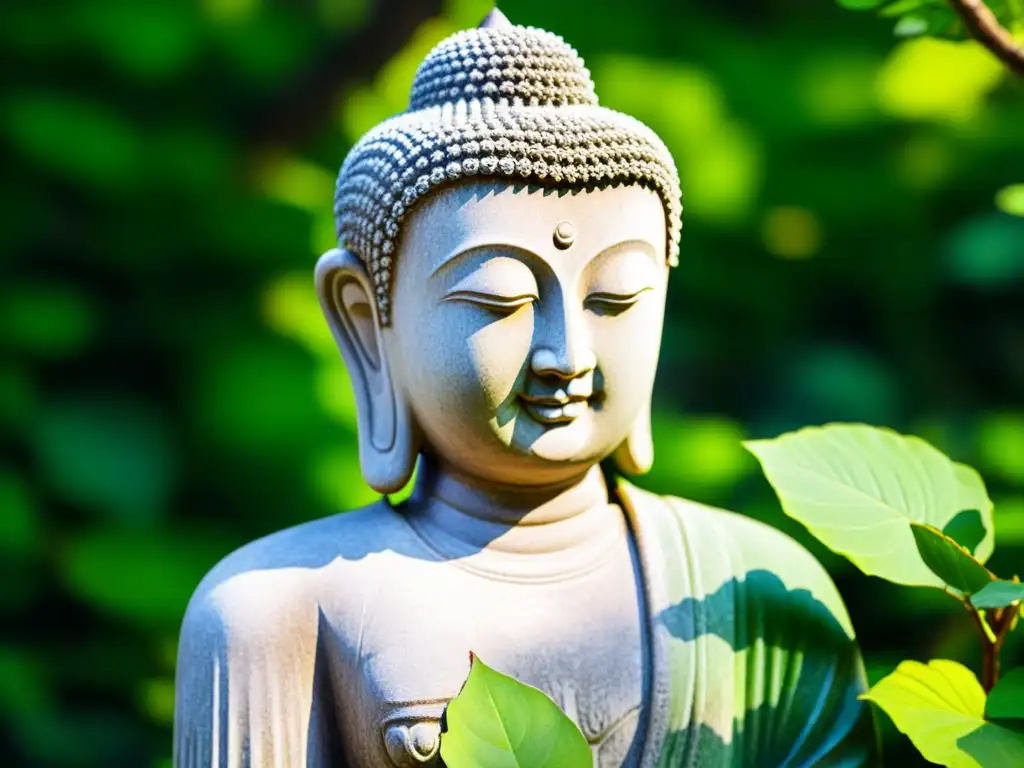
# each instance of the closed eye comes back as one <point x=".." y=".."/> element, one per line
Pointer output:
<point x="503" y="304"/>
<point x="612" y="303"/>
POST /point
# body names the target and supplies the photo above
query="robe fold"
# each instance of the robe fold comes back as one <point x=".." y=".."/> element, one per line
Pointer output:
<point x="753" y="659"/>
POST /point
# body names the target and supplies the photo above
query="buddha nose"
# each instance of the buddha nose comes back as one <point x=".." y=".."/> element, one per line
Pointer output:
<point x="567" y="358"/>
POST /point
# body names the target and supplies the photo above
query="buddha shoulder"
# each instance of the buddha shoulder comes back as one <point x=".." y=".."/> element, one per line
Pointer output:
<point x="717" y="547"/>
<point x="278" y="581"/>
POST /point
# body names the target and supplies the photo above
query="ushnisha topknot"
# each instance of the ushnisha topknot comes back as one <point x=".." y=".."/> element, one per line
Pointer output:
<point x="499" y="101"/>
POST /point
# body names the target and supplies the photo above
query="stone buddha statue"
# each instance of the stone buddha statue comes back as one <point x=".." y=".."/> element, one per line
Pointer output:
<point x="497" y="296"/>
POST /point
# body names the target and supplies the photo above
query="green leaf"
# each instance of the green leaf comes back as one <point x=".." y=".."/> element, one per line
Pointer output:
<point x="24" y="689"/>
<point x="998" y="594"/>
<point x="1010" y="13"/>
<point x="17" y="396"/>
<point x="20" y="519"/>
<point x="913" y="25"/>
<point x="236" y="416"/>
<point x="47" y="320"/>
<point x="902" y="7"/>
<point x="966" y="529"/>
<point x="1000" y="436"/>
<point x="154" y="40"/>
<point x="111" y="455"/>
<point x="858" y="488"/>
<point x="105" y="149"/>
<point x="941" y="708"/>
<point x="949" y="561"/>
<point x="937" y="21"/>
<point x="697" y="455"/>
<point x="499" y="722"/>
<point x="985" y="252"/>
<point x="1006" y="699"/>
<point x="860" y="5"/>
<point x="1011" y="199"/>
<point x="146" y="578"/>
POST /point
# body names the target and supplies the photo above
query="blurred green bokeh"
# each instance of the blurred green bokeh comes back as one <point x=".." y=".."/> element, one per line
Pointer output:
<point x="168" y="390"/>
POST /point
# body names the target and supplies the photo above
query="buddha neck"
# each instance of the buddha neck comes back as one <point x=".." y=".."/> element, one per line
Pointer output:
<point x="460" y="516"/>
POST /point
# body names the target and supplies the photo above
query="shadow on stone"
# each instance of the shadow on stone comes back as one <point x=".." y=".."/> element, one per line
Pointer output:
<point x="792" y="612"/>
<point x="796" y="680"/>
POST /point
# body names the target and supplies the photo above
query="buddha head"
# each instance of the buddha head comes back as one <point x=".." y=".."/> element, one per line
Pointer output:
<point x="499" y="286"/>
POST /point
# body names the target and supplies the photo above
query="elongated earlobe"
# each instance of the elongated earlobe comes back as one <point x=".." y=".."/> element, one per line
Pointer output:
<point x="635" y="455"/>
<point x="388" y="439"/>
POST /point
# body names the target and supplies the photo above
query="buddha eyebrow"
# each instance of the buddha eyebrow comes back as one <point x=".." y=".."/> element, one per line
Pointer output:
<point x="473" y="249"/>
<point x="637" y="243"/>
<point x="464" y="251"/>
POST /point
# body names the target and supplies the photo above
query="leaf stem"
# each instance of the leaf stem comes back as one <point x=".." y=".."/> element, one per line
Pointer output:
<point x="984" y="27"/>
<point x="990" y="666"/>
<point x="993" y="633"/>
<point x="989" y="652"/>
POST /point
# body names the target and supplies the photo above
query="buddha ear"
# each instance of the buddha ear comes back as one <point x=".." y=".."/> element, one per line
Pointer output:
<point x="388" y="442"/>
<point x="635" y="455"/>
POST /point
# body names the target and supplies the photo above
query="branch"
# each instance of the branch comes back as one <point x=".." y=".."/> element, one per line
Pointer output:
<point x="302" y="105"/>
<point x="984" y="27"/>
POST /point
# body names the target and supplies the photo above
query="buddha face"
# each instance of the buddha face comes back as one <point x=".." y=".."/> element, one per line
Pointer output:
<point x="524" y="332"/>
<point x="527" y="323"/>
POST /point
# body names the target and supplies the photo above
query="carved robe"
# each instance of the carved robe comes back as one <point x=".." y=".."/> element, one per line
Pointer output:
<point x="751" y="654"/>
<point x="754" y="659"/>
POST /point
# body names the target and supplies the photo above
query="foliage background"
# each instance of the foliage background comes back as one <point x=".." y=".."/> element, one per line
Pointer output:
<point x="168" y="390"/>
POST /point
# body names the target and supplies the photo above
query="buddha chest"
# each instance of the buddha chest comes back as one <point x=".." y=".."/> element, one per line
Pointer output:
<point x="573" y="626"/>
